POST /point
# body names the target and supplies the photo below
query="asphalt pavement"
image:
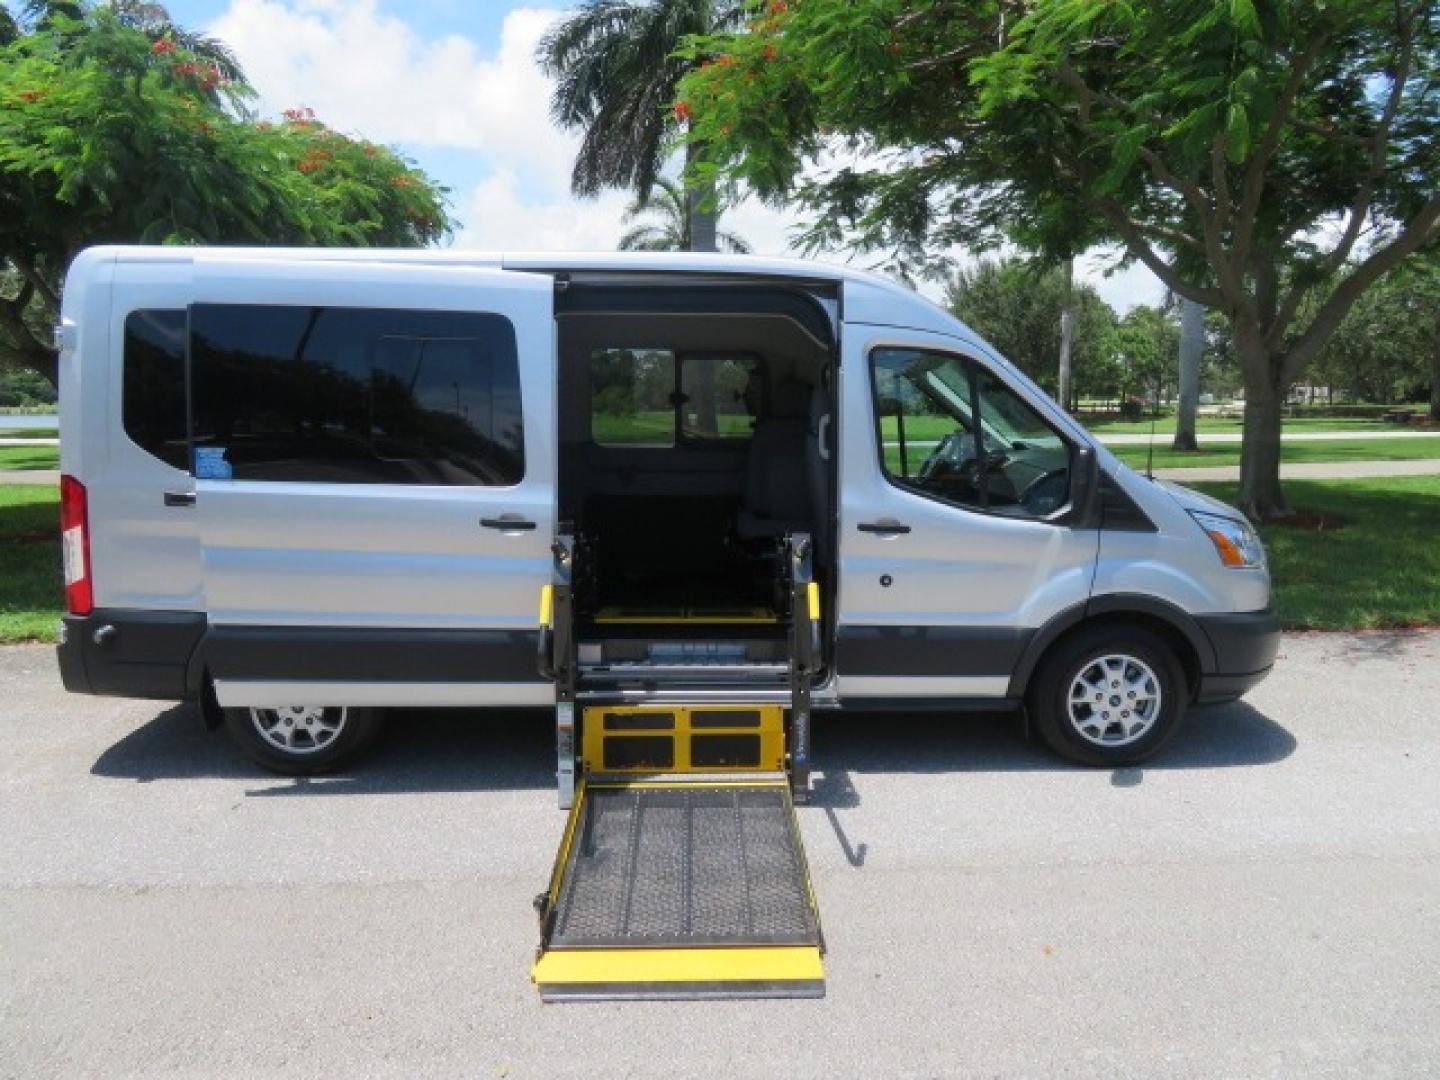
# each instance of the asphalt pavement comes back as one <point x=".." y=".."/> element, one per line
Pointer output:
<point x="1262" y="901"/>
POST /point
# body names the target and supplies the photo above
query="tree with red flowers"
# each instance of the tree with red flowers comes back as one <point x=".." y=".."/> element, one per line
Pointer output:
<point x="118" y="127"/>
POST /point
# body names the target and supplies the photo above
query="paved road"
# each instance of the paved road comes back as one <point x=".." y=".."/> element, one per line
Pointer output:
<point x="1262" y="902"/>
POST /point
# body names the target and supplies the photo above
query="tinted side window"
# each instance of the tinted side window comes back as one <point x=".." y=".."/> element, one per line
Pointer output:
<point x="950" y="429"/>
<point x="355" y="395"/>
<point x="719" y="396"/>
<point x="153" y="384"/>
<point x="632" y="397"/>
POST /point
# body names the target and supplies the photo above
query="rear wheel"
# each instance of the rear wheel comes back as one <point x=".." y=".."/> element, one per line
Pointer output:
<point x="1109" y="695"/>
<point x="302" y="740"/>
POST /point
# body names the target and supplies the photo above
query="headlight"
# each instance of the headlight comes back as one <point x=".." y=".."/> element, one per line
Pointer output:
<point x="1235" y="541"/>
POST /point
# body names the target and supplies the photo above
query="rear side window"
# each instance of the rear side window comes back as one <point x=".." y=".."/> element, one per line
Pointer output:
<point x="632" y="397"/>
<point x="153" y="384"/>
<point x="652" y="397"/>
<point x="355" y="395"/>
<point x="719" y="396"/>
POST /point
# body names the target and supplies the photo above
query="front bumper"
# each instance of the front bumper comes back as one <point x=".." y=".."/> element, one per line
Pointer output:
<point x="1245" y="645"/>
<point x="139" y="654"/>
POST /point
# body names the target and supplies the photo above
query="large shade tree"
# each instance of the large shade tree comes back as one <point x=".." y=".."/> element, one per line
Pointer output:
<point x="617" y="69"/>
<point x="1254" y="154"/>
<point x="116" y="127"/>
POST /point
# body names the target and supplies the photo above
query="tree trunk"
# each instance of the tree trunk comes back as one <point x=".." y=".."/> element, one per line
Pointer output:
<point x="1192" y="344"/>
<point x="1067" y="336"/>
<point x="701" y="223"/>
<point x="1435" y="375"/>
<point x="1260" y="493"/>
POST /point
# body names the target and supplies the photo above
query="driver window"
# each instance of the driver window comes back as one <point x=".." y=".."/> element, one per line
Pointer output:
<point x="930" y="406"/>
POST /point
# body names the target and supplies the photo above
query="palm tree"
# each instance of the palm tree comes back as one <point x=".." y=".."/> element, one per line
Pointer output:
<point x="671" y="229"/>
<point x="616" y="79"/>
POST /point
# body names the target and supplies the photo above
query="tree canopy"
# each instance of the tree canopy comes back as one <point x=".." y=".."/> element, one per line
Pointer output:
<point x="1254" y="154"/>
<point x="117" y="128"/>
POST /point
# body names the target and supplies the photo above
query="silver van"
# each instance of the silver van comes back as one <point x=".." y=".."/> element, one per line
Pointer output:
<point x="303" y="486"/>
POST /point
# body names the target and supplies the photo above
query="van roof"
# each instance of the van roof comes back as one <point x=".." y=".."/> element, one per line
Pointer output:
<point x="684" y="262"/>
<point x="869" y="297"/>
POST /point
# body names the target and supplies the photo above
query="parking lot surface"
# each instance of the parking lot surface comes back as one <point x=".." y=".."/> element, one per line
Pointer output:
<point x="1262" y="901"/>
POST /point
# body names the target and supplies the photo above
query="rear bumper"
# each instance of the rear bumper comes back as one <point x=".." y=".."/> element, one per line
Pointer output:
<point x="138" y="654"/>
<point x="1245" y="645"/>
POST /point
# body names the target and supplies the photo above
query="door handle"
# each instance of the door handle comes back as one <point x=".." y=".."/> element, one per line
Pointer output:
<point x="179" y="498"/>
<point x="508" y="524"/>
<point x="883" y="528"/>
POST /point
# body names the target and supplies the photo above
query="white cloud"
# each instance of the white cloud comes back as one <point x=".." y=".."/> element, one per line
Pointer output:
<point x="501" y="214"/>
<point x="1121" y="289"/>
<point x="364" y="70"/>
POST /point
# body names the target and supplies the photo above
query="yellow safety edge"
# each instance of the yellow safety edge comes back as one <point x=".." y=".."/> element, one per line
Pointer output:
<point x="771" y="732"/>
<point x="567" y="840"/>
<point x="751" y="963"/>
<point x="547" y="605"/>
<point x="812" y="599"/>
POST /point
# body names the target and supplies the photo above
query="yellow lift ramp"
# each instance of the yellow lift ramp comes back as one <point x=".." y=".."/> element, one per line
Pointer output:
<point x="680" y="874"/>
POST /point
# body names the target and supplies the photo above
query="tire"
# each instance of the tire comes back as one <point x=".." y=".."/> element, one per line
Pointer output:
<point x="320" y="739"/>
<point x="1081" y="699"/>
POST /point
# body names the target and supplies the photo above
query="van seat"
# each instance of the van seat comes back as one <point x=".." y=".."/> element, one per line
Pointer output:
<point x="776" y="497"/>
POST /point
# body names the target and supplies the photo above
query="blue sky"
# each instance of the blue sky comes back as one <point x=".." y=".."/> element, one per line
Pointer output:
<point x="453" y="85"/>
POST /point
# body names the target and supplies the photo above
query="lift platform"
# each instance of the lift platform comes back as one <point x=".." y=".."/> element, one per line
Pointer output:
<point x="681" y="873"/>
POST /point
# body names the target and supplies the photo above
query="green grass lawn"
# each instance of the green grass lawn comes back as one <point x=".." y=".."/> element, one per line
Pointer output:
<point x="30" y="433"/>
<point x="1318" y="450"/>
<point x="1380" y="570"/>
<point x="30" y="582"/>
<point x="1166" y="425"/>
<point x="29" y="457"/>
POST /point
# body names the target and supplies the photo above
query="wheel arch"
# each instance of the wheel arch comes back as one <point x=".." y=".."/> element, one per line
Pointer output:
<point x="1171" y="624"/>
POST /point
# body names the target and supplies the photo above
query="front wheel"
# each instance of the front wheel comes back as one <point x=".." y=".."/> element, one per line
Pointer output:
<point x="302" y="740"/>
<point x="1109" y="696"/>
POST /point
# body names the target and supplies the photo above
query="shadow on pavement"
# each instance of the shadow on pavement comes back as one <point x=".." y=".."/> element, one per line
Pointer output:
<point x="452" y="750"/>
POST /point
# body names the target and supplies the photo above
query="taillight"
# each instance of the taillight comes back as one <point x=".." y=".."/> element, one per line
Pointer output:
<point x="75" y="545"/>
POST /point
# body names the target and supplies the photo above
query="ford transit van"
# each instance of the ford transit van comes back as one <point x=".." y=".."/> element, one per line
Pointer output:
<point x="302" y="487"/>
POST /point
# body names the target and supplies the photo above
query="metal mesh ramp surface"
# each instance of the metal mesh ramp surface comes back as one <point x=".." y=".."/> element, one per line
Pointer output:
<point x="684" y="865"/>
<point x="680" y="891"/>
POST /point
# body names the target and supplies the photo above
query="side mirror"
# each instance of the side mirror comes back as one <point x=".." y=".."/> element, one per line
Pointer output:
<point x="1084" y="489"/>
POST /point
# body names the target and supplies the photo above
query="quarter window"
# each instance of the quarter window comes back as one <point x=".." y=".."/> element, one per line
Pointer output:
<point x="355" y="395"/>
<point x="950" y="429"/>
<point x="153" y="384"/>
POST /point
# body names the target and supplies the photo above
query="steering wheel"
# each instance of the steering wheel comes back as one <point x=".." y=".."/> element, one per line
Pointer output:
<point x="1045" y="494"/>
<point x="952" y="454"/>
